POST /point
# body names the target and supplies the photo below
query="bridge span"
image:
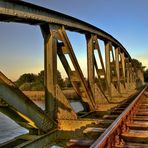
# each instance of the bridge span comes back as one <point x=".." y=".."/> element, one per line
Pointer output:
<point x="117" y="78"/>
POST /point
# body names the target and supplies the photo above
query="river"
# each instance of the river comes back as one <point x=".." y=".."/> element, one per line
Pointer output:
<point x="9" y="129"/>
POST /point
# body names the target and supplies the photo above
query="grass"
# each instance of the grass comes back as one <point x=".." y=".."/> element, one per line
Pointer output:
<point x="35" y="95"/>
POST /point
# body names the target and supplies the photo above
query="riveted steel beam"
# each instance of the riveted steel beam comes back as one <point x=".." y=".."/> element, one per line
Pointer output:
<point x="117" y="68"/>
<point x="100" y="72"/>
<point x="108" y="67"/>
<point x="90" y="62"/>
<point x="76" y="76"/>
<point x="56" y="104"/>
<point x="95" y="83"/>
<point x="123" y="66"/>
<point x="25" y="107"/>
<point x="50" y="67"/>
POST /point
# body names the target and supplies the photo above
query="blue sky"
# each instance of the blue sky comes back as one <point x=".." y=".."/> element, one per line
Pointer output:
<point x="22" y="45"/>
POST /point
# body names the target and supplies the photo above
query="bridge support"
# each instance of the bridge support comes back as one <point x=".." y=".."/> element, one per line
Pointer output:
<point x="117" y="50"/>
<point x="108" y="68"/>
<point x="90" y="63"/>
<point x="76" y="76"/>
<point x="50" y="68"/>
<point x="57" y="106"/>
<point x="96" y="87"/>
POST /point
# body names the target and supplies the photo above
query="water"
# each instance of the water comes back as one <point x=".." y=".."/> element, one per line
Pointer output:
<point x="9" y="129"/>
<point x="77" y="106"/>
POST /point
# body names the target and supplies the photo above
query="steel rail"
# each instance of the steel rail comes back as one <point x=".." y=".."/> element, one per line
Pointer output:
<point x="101" y="141"/>
<point x="19" y="11"/>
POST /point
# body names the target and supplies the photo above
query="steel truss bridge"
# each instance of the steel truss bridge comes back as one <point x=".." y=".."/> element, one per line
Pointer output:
<point x="116" y="77"/>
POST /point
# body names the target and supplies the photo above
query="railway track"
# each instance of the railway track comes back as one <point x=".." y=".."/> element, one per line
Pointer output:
<point x="125" y="126"/>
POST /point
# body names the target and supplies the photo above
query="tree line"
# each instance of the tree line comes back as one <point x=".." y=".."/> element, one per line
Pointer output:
<point x="30" y="81"/>
<point x="146" y="75"/>
<point x="138" y="64"/>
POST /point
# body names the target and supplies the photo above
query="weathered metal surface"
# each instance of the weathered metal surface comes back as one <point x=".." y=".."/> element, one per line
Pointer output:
<point x="40" y="141"/>
<point x="73" y="125"/>
<point x="90" y="63"/>
<point x="23" y="105"/>
<point x="76" y="76"/>
<point x="117" y="50"/>
<point x="64" y="109"/>
<point x="96" y="88"/>
<point x="108" y="47"/>
<point x="50" y="67"/>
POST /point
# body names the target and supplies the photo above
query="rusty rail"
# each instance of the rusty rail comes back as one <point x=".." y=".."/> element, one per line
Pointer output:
<point x="112" y="134"/>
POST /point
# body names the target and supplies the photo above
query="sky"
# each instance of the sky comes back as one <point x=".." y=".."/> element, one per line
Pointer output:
<point x="21" y="45"/>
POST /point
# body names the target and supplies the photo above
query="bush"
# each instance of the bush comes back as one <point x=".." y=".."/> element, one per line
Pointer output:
<point x="26" y="86"/>
<point x="146" y="75"/>
<point x="26" y="78"/>
<point x="37" y="86"/>
<point x="34" y="82"/>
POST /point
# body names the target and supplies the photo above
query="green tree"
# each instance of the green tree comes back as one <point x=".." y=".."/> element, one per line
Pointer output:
<point x="67" y="82"/>
<point x="40" y="78"/>
<point x="36" y="82"/>
<point x="26" y="86"/>
<point x="137" y="64"/>
<point x="26" y="78"/>
<point x="60" y="79"/>
<point x="146" y="75"/>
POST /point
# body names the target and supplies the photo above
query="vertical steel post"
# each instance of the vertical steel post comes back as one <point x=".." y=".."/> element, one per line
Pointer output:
<point x="123" y="66"/>
<point x="117" y="68"/>
<point x="128" y="71"/>
<point x="108" y="68"/>
<point x="50" y="66"/>
<point x="90" y="62"/>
